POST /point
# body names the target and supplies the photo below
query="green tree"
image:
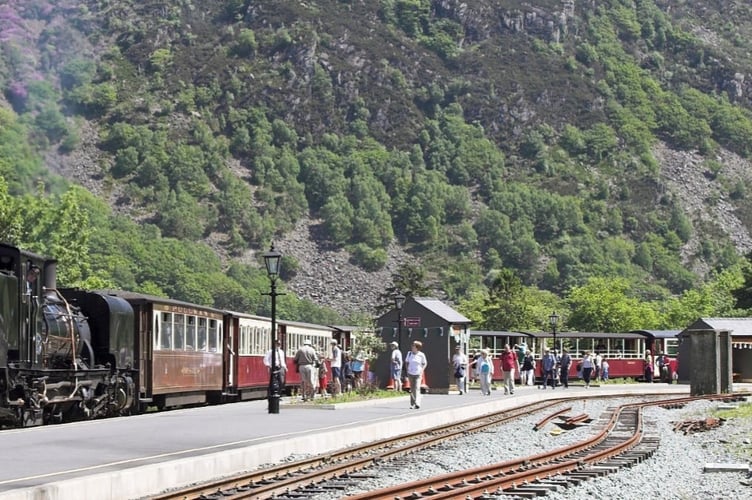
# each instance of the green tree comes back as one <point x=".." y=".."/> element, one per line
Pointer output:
<point x="605" y="305"/>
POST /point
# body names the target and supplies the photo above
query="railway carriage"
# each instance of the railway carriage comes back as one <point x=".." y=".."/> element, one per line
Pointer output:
<point x="251" y="339"/>
<point x="624" y="351"/>
<point x="494" y="342"/>
<point x="178" y="346"/>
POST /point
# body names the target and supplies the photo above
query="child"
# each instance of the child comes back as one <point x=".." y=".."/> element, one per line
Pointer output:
<point x="323" y="376"/>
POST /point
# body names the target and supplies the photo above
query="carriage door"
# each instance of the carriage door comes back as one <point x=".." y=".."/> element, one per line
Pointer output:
<point x="231" y="348"/>
<point x="147" y="330"/>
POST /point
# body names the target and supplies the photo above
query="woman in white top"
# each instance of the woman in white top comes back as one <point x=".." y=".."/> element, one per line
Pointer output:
<point x="416" y="362"/>
<point x="485" y="372"/>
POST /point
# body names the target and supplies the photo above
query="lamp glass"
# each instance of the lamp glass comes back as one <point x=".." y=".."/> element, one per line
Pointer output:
<point x="399" y="301"/>
<point x="272" y="260"/>
<point x="553" y="319"/>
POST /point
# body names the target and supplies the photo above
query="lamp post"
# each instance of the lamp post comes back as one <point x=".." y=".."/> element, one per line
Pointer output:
<point x="553" y="319"/>
<point x="399" y="301"/>
<point x="272" y="260"/>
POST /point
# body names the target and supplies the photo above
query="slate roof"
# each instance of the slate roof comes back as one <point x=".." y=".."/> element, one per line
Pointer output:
<point x="739" y="327"/>
<point x="442" y="310"/>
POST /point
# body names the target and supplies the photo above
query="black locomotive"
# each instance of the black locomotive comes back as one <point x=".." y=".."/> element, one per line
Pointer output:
<point x="54" y="367"/>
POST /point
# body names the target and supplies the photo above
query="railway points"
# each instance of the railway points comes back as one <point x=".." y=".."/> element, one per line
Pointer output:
<point x="181" y="447"/>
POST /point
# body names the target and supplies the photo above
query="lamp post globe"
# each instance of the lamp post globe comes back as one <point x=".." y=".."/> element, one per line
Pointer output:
<point x="272" y="260"/>
<point x="553" y="319"/>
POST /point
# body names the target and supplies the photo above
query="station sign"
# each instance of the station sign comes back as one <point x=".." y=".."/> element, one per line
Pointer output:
<point x="412" y="321"/>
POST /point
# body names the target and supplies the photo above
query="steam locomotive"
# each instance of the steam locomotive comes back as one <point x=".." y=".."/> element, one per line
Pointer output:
<point x="72" y="354"/>
<point x="53" y="367"/>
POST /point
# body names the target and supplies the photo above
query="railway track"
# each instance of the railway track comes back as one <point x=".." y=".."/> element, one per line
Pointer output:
<point x="618" y="444"/>
<point x="345" y="465"/>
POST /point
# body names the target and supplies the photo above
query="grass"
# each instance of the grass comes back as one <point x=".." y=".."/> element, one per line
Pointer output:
<point x="743" y="411"/>
<point x="365" y="393"/>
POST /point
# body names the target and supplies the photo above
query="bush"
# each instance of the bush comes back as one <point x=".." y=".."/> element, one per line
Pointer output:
<point x="368" y="258"/>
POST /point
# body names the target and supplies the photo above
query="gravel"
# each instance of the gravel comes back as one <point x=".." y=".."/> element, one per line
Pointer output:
<point x="674" y="472"/>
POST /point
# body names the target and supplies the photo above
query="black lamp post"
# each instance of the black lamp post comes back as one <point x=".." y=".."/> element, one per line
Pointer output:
<point x="272" y="260"/>
<point x="554" y="319"/>
<point x="399" y="301"/>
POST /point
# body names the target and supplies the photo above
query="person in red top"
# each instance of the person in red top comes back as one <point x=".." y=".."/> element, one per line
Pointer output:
<point x="510" y="366"/>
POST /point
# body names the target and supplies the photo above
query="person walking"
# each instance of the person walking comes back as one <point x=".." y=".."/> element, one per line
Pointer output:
<point x="305" y="359"/>
<point x="548" y="363"/>
<point x="459" y="362"/>
<point x="485" y="367"/>
<point x="564" y="363"/>
<point x="587" y="368"/>
<point x="510" y="366"/>
<point x="416" y="362"/>
<point x="336" y="366"/>
<point x="528" y="369"/>
<point x="395" y="367"/>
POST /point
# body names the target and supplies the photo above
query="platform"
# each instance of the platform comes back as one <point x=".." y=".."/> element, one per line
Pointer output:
<point x="134" y="457"/>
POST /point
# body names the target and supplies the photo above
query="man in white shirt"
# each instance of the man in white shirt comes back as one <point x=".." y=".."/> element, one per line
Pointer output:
<point x="336" y="365"/>
<point x="280" y="362"/>
<point x="416" y="363"/>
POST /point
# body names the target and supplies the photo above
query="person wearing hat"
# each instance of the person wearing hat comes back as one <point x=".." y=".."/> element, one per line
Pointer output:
<point x="280" y="363"/>
<point x="395" y="368"/>
<point x="305" y="360"/>
<point x="459" y="361"/>
<point x="336" y="366"/>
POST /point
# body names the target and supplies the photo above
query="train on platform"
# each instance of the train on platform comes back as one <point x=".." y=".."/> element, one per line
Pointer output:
<point x="627" y="353"/>
<point x="71" y="354"/>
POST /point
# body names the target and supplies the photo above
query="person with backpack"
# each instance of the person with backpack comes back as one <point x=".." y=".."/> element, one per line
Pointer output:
<point x="459" y="362"/>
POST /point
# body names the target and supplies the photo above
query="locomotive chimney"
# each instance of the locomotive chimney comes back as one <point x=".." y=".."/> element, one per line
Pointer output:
<point x="50" y="275"/>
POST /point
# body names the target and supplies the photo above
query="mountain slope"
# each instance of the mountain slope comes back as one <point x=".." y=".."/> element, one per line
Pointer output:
<point x="560" y="139"/>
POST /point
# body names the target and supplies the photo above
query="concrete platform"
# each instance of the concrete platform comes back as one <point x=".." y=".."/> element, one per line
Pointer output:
<point x="133" y="457"/>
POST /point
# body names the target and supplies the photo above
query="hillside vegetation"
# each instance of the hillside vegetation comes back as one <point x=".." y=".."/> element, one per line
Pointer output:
<point x="507" y="156"/>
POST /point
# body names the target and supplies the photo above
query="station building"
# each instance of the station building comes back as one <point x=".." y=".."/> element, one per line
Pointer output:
<point x="439" y="327"/>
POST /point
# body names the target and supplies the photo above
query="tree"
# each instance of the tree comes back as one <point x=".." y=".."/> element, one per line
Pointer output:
<point x="409" y="280"/>
<point x="604" y="305"/>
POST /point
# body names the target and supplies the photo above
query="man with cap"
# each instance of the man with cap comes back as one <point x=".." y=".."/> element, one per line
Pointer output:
<point x="336" y="365"/>
<point x="305" y="360"/>
<point x="395" y="366"/>
<point x="459" y="361"/>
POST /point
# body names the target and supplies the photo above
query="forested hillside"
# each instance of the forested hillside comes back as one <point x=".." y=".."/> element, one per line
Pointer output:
<point x="510" y="157"/>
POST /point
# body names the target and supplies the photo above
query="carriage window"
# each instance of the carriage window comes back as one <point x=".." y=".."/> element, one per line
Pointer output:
<point x="166" y="337"/>
<point x="190" y="333"/>
<point x="672" y="347"/>
<point x="201" y="335"/>
<point x="179" y="334"/>
<point x="258" y="340"/>
<point x="213" y="334"/>
<point x="632" y="348"/>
